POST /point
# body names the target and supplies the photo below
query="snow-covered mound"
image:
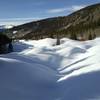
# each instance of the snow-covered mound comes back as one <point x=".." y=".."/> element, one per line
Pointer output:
<point x="40" y="70"/>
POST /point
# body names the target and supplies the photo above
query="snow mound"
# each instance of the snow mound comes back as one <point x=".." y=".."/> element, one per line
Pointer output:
<point x="40" y="70"/>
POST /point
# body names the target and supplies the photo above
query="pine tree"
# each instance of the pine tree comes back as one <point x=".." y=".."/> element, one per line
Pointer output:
<point x="94" y="36"/>
<point x="73" y="36"/>
<point x="58" y="40"/>
<point x="90" y="36"/>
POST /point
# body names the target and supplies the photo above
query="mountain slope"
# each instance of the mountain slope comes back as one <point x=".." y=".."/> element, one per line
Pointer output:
<point x="4" y="27"/>
<point x="82" y="23"/>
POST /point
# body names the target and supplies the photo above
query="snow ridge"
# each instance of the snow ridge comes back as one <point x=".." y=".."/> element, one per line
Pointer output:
<point x="40" y="70"/>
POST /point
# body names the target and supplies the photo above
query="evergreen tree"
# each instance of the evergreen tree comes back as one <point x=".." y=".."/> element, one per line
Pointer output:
<point x="58" y="40"/>
<point x="73" y="36"/>
<point x="94" y="36"/>
<point x="90" y="36"/>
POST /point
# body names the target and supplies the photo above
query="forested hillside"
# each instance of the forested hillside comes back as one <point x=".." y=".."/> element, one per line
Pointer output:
<point x="83" y="24"/>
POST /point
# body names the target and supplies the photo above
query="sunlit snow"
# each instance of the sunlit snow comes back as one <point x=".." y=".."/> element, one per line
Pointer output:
<point x="40" y="70"/>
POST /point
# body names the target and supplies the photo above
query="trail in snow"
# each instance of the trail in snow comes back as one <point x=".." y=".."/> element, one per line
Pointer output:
<point x="39" y="70"/>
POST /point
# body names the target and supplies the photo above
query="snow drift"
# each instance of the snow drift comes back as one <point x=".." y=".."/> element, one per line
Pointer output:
<point x="40" y="70"/>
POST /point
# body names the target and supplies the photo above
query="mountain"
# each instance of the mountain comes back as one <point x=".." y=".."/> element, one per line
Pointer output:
<point x="84" y="23"/>
<point x="6" y="26"/>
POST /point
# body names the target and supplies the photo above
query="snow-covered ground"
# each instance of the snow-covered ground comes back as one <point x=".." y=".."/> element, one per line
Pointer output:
<point x="40" y="70"/>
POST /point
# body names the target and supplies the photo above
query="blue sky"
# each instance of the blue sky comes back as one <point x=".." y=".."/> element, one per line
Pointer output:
<point x="22" y="11"/>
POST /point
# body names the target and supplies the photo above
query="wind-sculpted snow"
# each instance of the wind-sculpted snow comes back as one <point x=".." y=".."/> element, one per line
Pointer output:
<point x="40" y="70"/>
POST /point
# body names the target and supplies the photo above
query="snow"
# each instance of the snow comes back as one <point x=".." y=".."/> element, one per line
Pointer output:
<point x="40" y="70"/>
<point x="6" y="26"/>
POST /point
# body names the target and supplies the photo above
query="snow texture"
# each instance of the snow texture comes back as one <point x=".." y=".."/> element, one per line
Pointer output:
<point x="40" y="70"/>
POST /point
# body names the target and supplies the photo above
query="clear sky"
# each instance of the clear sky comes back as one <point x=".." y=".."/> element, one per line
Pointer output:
<point x="21" y="11"/>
